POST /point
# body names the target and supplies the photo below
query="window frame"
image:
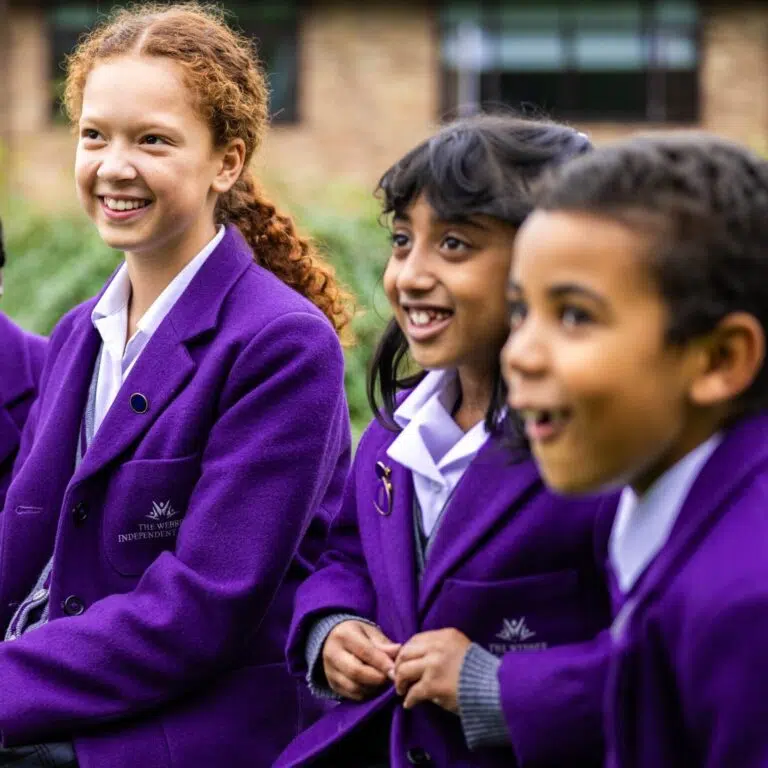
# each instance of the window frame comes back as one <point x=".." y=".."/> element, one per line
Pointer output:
<point x="286" y="114"/>
<point x="655" y="75"/>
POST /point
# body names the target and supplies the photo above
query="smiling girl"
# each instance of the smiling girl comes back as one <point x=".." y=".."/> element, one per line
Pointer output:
<point x="456" y="611"/>
<point x="192" y="431"/>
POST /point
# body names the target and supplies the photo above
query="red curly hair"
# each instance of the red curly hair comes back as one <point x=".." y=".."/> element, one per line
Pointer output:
<point x="230" y="91"/>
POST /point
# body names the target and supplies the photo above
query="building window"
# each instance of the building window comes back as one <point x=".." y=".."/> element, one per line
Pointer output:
<point x="273" y="25"/>
<point x="621" y="60"/>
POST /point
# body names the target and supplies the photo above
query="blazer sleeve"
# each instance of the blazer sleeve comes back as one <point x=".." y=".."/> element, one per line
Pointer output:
<point x="553" y="699"/>
<point x="341" y="583"/>
<point x="267" y="463"/>
<point x="553" y="702"/>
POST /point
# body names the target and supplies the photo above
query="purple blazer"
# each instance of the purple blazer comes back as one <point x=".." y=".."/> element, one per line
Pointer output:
<point x="688" y="677"/>
<point x="178" y="541"/>
<point x="506" y="550"/>
<point x="21" y="362"/>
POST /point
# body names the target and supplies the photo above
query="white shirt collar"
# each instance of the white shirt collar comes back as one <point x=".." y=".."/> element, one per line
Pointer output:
<point x="110" y="315"/>
<point x="643" y="525"/>
<point x="431" y="442"/>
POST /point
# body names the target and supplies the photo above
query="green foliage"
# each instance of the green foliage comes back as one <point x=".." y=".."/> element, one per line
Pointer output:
<point x="58" y="261"/>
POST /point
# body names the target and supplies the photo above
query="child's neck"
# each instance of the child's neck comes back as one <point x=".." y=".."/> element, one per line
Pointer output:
<point x="699" y="429"/>
<point x="475" y="391"/>
<point x="151" y="273"/>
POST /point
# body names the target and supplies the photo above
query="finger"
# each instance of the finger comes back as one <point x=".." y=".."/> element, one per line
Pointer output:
<point x="346" y="688"/>
<point x="381" y="641"/>
<point x="360" y="646"/>
<point x="408" y="673"/>
<point x="417" y="694"/>
<point x="350" y="666"/>
<point x="417" y="646"/>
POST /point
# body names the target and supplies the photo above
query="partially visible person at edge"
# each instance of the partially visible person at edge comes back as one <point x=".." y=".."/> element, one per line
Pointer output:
<point x="638" y="302"/>
<point x="191" y="438"/>
<point x="459" y="609"/>
<point x="21" y="362"/>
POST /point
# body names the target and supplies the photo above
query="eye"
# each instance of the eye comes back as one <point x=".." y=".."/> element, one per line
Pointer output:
<point x="572" y="317"/>
<point x="453" y="244"/>
<point x="90" y="133"/>
<point x="516" y="313"/>
<point x="399" y="240"/>
<point x="154" y="140"/>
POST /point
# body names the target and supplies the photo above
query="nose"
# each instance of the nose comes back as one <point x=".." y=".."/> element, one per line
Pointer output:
<point x="524" y="356"/>
<point x="415" y="275"/>
<point x="116" y="165"/>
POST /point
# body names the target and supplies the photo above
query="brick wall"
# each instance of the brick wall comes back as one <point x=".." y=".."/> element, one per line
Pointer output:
<point x="369" y="82"/>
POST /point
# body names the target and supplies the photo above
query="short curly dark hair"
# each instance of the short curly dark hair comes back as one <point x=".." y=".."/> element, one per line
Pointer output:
<point x="703" y="201"/>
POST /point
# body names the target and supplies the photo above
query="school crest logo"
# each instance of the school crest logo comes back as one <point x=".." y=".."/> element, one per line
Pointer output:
<point x="164" y="511"/>
<point x="515" y="631"/>
<point x="515" y="635"/>
<point x="164" y="522"/>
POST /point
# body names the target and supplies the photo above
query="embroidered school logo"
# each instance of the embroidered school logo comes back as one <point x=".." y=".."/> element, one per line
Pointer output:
<point x="162" y="511"/>
<point x="514" y="636"/>
<point x="164" y="524"/>
<point x="515" y="631"/>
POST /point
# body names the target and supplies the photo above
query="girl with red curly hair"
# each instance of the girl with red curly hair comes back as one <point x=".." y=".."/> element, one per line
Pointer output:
<point x="191" y="436"/>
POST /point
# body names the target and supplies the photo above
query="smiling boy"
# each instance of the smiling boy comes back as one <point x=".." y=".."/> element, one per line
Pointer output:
<point x="639" y="305"/>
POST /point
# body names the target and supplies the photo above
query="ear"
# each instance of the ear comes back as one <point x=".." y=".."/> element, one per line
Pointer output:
<point x="733" y="355"/>
<point x="231" y="161"/>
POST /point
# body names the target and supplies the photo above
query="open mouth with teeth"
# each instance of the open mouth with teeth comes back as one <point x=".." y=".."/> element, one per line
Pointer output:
<point x="427" y="317"/>
<point x="542" y="424"/>
<point x="119" y="205"/>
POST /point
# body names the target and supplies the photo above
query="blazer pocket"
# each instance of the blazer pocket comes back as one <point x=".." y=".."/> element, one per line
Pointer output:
<point x="144" y="508"/>
<point x="524" y="614"/>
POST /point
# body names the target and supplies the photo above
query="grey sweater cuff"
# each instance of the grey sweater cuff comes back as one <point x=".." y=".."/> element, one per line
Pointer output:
<point x="480" y="710"/>
<point x="313" y="652"/>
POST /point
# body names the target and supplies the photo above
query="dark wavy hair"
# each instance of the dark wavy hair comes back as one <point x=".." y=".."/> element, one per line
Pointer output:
<point x="483" y="165"/>
<point x="702" y="202"/>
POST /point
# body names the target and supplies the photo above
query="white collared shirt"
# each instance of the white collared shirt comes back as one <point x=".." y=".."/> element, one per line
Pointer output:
<point x="110" y="318"/>
<point x="432" y="445"/>
<point x="643" y="525"/>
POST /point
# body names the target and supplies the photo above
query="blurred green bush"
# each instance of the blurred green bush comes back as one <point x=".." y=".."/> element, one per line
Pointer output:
<point x="57" y="261"/>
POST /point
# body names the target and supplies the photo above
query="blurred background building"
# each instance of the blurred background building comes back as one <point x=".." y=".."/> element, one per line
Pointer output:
<point x="357" y="83"/>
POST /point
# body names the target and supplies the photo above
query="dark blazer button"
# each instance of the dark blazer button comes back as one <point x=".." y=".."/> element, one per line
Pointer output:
<point x="139" y="402"/>
<point x="79" y="513"/>
<point x="418" y="756"/>
<point x="73" y="606"/>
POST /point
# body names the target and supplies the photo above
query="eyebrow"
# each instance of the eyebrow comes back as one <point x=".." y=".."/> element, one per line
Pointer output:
<point x="459" y="221"/>
<point x="562" y="290"/>
<point x="143" y="126"/>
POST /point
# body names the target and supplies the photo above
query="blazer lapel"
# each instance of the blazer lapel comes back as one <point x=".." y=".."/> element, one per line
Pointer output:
<point x="494" y="484"/>
<point x="743" y="451"/>
<point x="160" y="372"/>
<point x="165" y="365"/>
<point x="397" y="540"/>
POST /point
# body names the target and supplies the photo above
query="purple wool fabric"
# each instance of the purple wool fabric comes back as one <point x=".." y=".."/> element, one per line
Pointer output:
<point x="687" y="685"/>
<point x="516" y="569"/>
<point x="21" y="363"/>
<point x="179" y="541"/>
